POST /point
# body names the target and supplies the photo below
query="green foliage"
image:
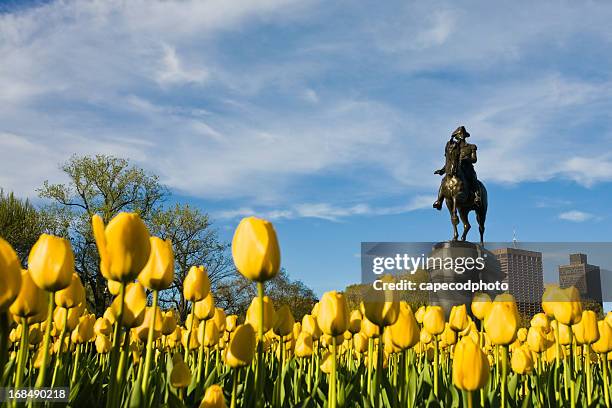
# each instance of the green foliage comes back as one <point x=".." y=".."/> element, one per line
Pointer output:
<point x="195" y="242"/>
<point x="235" y="295"/>
<point x="21" y="223"/>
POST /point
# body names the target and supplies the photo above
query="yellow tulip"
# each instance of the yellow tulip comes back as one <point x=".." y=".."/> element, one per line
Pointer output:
<point x="405" y="330"/>
<point x="10" y="275"/>
<point x="190" y="340"/>
<point x="310" y="326"/>
<point x="370" y="329"/>
<point x="72" y="295"/>
<point x="123" y="245"/>
<point x="604" y="344"/>
<point x="315" y="310"/>
<point x="180" y="376"/>
<point x="563" y="333"/>
<point x="303" y="345"/>
<point x="255" y="249"/>
<point x="433" y="320"/>
<point x="196" y="285"/>
<point x="355" y="321"/>
<point x="552" y="295"/>
<point x="419" y="314"/>
<point x="333" y="318"/>
<point x="208" y="333"/>
<point x="481" y="305"/>
<point x="327" y="362"/>
<point x="609" y="318"/>
<point x="51" y="263"/>
<point x="536" y="339"/>
<point x="502" y="320"/>
<point x="360" y="341"/>
<point x="448" y="336"/>
<point x="114" y="287"/>
<point x="568" y="310"/>
<point x="142" y="331"/>
<point x="586" y="330"/>
<point x="35" y="335"/>
<point x="387" y="339"/>
<point x="70" y="316"/>
<point x="31" y="299"/>
<point x="470" y="366"/>
<point x="205" y="308"/>
<point x="425" y="337"/>
<point x="253" y="313"/>
<point x="219" y="318"/>
<point x="168" y="322"/>
<point x="231" y="322"/>
<point x="103" y="344"/>
<point x="134" y="305"/>
<point x="241" y="348"/>
<point x="284" y="321"/>
<point x="213" y="397"/>
<point x="521" y="361"/>
<point x="521" y="334"/>
<point x="84" y="330"/>
<point x="381" y="307"/>
<point x="459" y="318"/>
<point x="540" y="320"/>
<point x="158" y="273"/>
<point x="103" y="326"/>
<point x="297" y="329"/>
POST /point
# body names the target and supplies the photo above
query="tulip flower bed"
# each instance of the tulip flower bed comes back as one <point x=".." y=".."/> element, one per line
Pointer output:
<point x="384" y="354"/>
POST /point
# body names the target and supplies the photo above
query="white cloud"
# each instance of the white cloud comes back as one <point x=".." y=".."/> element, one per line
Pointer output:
<point x="576" y="216"/>
<point x="172" y="71"/>
<point x="327" y="211"/>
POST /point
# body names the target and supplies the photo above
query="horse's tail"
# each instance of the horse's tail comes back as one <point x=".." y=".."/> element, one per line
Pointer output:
<point x="481" y="211"/>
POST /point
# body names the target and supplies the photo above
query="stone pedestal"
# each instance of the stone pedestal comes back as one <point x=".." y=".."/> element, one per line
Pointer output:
<point x="454" y="250"/>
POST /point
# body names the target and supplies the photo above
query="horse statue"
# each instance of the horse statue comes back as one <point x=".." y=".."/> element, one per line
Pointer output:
<point x="459" y="199"/>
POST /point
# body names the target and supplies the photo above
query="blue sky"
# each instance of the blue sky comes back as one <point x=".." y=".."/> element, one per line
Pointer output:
<point x="327" y="118"/>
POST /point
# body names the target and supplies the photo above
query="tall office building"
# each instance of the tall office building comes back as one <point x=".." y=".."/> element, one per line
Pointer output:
<point x="586" y="278"/>
<point x="523" y="272"/>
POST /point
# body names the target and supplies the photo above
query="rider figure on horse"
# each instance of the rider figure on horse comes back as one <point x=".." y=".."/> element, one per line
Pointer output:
<point x="467" y="157"/>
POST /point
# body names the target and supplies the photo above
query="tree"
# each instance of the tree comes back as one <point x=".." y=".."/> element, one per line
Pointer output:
<point x="194" y="242"/>
<point x="21" y="224"/>
<point x="103" y="185"/>
<point x="235" y="295"/>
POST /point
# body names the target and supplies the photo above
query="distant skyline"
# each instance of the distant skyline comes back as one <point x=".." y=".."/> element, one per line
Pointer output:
<point x="328" y="118"/>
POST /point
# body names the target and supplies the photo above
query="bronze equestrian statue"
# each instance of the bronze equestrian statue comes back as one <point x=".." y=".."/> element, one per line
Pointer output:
<point x="460" y="188"/>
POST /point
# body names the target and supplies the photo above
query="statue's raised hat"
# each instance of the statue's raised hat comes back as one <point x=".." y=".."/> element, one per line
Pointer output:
<point x="461" y="131"/>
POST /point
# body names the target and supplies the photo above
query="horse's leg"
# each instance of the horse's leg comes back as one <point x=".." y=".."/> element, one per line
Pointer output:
<point x="481" y="217"/>
<point x="452" y="208"/>
<point x="464" y="214"/>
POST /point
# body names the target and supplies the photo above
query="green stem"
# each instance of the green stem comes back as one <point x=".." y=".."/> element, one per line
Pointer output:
<point x="234" y="387"/>
<point x="370" y="363"/>
<point x="332" y="378"/>
<point x="23" y="352"/>
<point x="149" y="356"/>
<point x="58" y="358"/>
<point x="114" y="353"/>
<point x="43" y="367"/>
<point x="504" y="376"/>
<point x="260" y="363"/>
<point x="606" y="387"/>
<point x="76" y="364"/>
<point x="4" y="338"/>
<point x="589" y="379"/>
<point x="572" y="372"/>
<point x="436" y="362"/>
<point x="121" y="369"/>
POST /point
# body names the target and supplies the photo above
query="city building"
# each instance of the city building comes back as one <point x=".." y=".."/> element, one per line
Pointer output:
<point x="523" y="272"/>
<point x="586" y="278"/>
